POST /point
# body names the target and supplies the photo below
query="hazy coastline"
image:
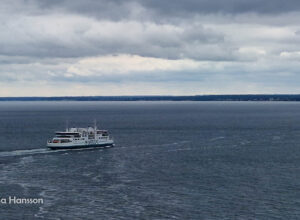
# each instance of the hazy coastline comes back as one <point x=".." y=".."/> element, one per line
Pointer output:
<point x="249" y="97"/>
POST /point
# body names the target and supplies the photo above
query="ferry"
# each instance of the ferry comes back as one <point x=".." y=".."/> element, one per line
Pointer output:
<point x="72" y="138"/>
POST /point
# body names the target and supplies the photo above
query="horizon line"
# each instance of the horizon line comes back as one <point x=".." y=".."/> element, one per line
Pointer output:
<point x="233" y="97"/>
<point x="243" y="94"/>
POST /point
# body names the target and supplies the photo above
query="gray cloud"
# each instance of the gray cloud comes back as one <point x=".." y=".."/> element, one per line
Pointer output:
<point x="234" y="42"/>
<point x="67" y="28"/>
<point x="220" y="6"/>
<point x="117" y="9"/>
<point x="78" y="36"/>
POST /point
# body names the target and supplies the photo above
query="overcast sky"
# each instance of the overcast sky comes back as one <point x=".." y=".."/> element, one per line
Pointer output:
<point x="149" y="47"/>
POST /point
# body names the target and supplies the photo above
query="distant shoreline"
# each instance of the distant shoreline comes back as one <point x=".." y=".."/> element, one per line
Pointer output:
<point x="250" y="97"/>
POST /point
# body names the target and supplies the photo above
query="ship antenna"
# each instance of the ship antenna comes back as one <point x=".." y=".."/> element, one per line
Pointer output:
<point x="67" y="125"/>
<point x="95" y="125"/>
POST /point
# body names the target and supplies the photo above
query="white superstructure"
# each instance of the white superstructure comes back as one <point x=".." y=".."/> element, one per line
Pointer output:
<point x="80" y="138"/>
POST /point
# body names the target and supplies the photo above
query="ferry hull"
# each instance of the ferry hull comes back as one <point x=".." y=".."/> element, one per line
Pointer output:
<point x="81" y="146"/>
<point x="83" y="138"/>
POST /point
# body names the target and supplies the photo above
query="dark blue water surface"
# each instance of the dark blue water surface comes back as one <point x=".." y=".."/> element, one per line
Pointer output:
<point x="172" y="160"/>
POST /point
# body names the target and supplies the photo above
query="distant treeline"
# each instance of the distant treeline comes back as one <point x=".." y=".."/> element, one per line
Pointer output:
<point x="161" y="98"/>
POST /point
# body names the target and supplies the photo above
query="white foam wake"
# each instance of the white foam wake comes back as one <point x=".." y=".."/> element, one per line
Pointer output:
<point x="25" y="152"/>
<point x="42" y="151"/>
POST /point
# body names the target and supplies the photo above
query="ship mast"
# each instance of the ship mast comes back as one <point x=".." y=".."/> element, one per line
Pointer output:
<point x="67" y="125"/>
<point x="95" y="125"/>
<point x="95" y="128"/>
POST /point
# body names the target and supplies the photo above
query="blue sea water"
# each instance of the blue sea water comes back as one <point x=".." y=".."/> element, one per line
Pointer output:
<point x="172" y="160"/>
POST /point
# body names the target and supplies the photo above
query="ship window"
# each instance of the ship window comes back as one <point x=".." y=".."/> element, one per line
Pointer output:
<point x="67" y="134"/>
<point x="65" y="141"/>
